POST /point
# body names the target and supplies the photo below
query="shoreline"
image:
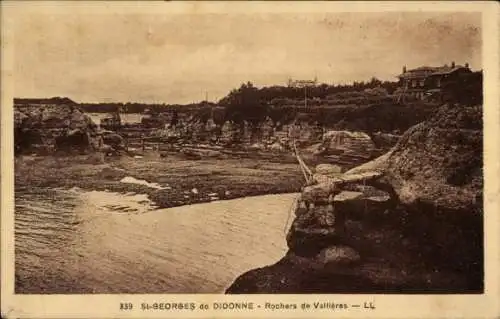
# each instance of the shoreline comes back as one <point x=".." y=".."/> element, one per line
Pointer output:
<point x="182" y="182"/>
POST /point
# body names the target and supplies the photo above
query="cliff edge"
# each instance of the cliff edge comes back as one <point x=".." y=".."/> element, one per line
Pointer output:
<point x="410" y="221"/>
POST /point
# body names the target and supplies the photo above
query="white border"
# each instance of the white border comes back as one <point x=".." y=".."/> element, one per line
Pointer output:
<point x="388" y="306"/>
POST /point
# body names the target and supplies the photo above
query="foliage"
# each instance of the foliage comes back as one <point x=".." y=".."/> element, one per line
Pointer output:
<point x="244" y="103"/>
<point x="467" y="90"/>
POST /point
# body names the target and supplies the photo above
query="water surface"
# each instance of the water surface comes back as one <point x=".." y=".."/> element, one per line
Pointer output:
<point x="70" y="241"/>
<point x="125" y="117"/>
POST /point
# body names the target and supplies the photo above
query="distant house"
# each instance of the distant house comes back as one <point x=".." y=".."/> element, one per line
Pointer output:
<point x="428" y="81"/>
<point x="302" y="83"/>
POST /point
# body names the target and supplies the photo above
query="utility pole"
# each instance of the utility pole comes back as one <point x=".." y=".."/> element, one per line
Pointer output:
<point x="305" y="96"/>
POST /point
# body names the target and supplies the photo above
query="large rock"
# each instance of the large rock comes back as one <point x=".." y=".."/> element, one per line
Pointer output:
<point x="55" y="126"/>
<point x="348" y="141"/>
<point x="338" y="254"/>
<point x="299" y="275"/>
<point x="438" y="162"/>
<point x="423" y="233"/>
<point x="230" y="133"/>
<point x="276" y="147"/>
<point x="313" y="230"/>
<point x="113" y="140"/>
<point x="361" y="206"/>
<point x="435" y="172"/>
<point x="296" y="275"/>
<point x="73" y="139"/>
<point x="384" y="140"/>
<point x="328" y="169"/>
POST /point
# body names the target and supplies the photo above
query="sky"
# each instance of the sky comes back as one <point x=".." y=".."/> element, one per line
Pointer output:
<point x="181" y="58"/>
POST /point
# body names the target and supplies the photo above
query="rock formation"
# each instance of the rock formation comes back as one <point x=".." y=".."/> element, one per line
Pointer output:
<point x="409" y="221"/>
<point x="53" y="127"/>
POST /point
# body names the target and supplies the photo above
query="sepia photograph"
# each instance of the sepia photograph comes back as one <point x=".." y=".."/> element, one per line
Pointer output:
<point x="240" y="153"/>
<point x="155" y="158"/>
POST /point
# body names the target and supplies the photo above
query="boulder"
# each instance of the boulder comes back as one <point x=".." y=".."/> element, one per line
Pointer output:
<point x="432" y="188"/>
<point x="438" y="162"/>
<point x="107" y="149"/>
<point x="318" y="193"/>
<point x="114" y="140"/>
<point x="230" y="133"/>
<point x="95" y="158"/>
<point x="58" y="127"/>
<point x="276" y="147"/>
<point x="317" y="149"/>
<point x="298" y="275"/>
<point x="348" y="140"/>
<point x="385" y="140"/>
<point x="73" y="139"/>
<point x="19" y="118"/>
<point x="338" y="254"/>
<point x="313" y="230"/>
<point x="359" y="206"/>
<point x="328" y="169"/>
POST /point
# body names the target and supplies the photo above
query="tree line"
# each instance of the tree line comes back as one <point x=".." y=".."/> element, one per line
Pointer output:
<point x="246" y="94"/>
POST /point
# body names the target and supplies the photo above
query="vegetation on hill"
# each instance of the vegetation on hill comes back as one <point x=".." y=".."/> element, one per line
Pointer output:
<point x="429" y="237"/>
<point x="360" y="106"/>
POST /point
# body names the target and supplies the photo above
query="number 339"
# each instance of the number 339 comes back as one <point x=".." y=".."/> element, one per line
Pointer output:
<point x="126" y="306"/>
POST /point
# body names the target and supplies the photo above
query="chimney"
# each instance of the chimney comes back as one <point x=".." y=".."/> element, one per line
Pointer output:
<point x="404" y="68"/>
<point x="452" y="64"/>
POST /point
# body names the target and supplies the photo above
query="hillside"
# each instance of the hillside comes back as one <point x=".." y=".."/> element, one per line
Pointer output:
<point x="263" y="117"/>
<point x="425" y="237"/>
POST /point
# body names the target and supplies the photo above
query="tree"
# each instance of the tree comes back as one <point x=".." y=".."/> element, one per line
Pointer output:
<point x="374" y="82"/>
<point x="244" y="104"/>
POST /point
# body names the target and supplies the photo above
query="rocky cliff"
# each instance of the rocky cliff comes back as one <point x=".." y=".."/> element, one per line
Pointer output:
<point x="53" y="125"/>
<point x="410" y="221"/>
<point x="342" y="147"/>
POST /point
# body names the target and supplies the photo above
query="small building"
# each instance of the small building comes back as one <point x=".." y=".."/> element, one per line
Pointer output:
<point x="302" y="83"/>
<point x="426" y="81"/>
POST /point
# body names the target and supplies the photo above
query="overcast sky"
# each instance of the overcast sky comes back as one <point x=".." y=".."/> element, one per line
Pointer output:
<point x="176" y="58"/>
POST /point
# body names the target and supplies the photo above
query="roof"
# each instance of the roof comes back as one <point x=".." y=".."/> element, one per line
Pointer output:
<point x="425" y="71"/>
<point x="448" y="70"/>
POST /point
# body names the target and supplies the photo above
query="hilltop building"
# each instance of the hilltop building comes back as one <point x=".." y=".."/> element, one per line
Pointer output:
<point x="428" y="81"/>
<point x="302" y="83"/>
